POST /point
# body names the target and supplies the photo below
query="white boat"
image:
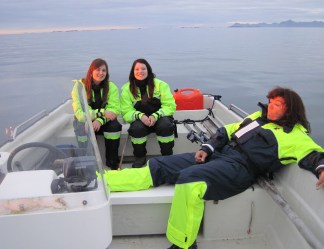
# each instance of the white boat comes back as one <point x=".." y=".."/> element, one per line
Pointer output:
<point x="81" y="213"/>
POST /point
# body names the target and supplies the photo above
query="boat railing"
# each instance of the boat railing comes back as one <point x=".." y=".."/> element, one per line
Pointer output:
<point x="12" y="133"/>
<point x="26" y="124"/>
<point x="303" y="229"/>
<point x="238" y="110"/>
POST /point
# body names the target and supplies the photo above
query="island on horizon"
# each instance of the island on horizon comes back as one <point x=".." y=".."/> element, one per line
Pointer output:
<point x="284" y="24"/>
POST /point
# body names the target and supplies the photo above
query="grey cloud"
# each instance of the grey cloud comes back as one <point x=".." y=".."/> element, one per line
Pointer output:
<point x="81" y="13"/>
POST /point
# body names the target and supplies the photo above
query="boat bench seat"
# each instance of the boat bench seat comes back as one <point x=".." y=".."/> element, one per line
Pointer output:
<point x="152" y="207"/>
<point x="141" y="212"/>
<point x="161" y="194"/>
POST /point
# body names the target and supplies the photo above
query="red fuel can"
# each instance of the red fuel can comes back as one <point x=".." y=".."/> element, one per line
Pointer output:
<point x="188" y="99"/>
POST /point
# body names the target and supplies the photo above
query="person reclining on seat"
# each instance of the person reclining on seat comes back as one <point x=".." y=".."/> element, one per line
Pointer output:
<point x="228" y="163"/>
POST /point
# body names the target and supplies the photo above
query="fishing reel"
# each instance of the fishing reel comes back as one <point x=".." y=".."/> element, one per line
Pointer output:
<point x="79" y="175"/>
<point x="191" y="136"/>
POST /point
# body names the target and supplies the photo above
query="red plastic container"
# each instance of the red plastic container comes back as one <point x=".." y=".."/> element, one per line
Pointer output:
<point x="188" y="99"/>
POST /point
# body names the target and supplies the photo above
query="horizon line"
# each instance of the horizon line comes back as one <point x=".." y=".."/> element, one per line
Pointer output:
<point x="69" y="29"/>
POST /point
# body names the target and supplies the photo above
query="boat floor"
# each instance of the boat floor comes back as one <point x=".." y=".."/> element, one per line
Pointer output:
<point x="161" y="242"/>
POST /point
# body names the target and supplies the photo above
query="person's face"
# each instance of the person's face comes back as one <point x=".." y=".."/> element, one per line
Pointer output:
<point x="99" y="74"/>
<point x="140" y="71"/>
<point x="276" y="108"/>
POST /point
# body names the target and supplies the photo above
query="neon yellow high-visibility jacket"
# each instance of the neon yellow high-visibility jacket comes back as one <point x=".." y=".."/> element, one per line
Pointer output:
<point x="268" y="146"/>
<point x="113" y="103"/>
<point x="161" y="91"/>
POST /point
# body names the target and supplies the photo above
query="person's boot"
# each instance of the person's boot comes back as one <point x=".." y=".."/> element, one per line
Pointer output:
<point x="140" y="155"/>
<point x="112" y="146"/>
<point x="139" y="162"/>
<point x="174" y="247"/>
<point x="193" y="246"/>
<point x="114" y="165"/>
<point x="166" y="148"/>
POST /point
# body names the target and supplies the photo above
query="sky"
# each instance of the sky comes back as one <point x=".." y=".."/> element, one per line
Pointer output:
<point x="20" y="16"/>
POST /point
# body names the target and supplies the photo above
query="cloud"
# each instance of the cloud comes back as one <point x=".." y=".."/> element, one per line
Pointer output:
<point x="53" y="14"/>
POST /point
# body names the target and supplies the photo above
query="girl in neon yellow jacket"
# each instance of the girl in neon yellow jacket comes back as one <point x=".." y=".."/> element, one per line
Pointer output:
<point x="104" y="107"/>
<point x="148" y="105"/>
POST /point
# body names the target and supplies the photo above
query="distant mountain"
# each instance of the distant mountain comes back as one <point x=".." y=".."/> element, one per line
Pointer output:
<point x="286" y="24"/>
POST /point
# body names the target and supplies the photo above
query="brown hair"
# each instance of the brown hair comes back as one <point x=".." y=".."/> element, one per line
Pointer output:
<point x="88" y="80"/>
<point x="295" y="107"/>
<point x="149" y="79"/>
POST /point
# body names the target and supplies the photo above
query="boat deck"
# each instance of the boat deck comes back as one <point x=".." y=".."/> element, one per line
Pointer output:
<point x="160" y="242"/>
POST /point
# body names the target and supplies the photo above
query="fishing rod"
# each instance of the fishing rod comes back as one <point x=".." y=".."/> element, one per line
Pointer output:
<point x="193" y="136"/>
<point x="123" y="153"/>
<point x="207" y="125"/>
<point x="216" y="122"/>
<point x="201" y="133"/>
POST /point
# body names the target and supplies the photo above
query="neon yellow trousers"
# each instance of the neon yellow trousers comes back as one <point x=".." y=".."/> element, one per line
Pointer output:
<point x="187" y="206"/>
<point x="186" y="213"/>
<point x="128" y="179"/>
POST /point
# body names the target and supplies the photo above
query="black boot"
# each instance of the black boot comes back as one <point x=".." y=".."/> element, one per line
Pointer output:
<point x="139" y="150"/>
<point x="193" y="246"/>
<point x="166" y="148"/>
<point x="114" y="165"/>
<point x="174" y="247"/>
<point x="112" y="146"/>
<point x="139" y="162"/>
<point x="140" y="155"/>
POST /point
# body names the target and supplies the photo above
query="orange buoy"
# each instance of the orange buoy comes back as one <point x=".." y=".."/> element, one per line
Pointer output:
<point x="188" y="99"/>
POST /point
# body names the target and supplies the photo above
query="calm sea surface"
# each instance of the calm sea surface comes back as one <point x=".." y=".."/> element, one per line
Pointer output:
<point x="240" y="64"/>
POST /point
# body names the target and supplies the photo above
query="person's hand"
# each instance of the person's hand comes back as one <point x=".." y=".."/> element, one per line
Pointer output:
<point x="320" y="182"/>
<point x="110" y="115"/>
<point x="96" y="125"/>
<point x="145" y="120"/>
<point x="200" y="156"/>
<point x="152" y="120"/>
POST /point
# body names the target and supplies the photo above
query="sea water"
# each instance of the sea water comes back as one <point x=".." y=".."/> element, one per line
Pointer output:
<point x="241" y="64"/>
